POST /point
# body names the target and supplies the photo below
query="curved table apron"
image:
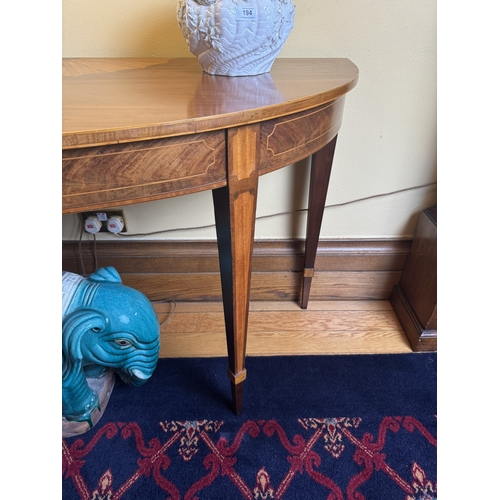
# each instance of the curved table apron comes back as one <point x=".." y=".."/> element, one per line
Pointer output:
<point x="137" y="130"/>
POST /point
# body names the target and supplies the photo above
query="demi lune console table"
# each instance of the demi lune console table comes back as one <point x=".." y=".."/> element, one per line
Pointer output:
<point x="138" y="130"/>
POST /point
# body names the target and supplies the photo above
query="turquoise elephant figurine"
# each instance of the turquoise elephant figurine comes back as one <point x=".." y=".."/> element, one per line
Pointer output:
<point x="105" y="325"/>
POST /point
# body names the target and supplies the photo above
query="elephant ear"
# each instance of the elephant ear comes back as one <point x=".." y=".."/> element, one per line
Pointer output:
<point x="106" y="275"/>
<point x="74" y="327"/>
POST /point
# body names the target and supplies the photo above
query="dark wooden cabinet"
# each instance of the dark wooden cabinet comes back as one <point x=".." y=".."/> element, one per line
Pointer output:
<point x="414" y="298"/>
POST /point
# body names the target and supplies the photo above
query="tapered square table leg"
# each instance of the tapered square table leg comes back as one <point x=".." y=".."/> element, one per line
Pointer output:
<point x="321" y="167"/>
<point x="234" y="207"/>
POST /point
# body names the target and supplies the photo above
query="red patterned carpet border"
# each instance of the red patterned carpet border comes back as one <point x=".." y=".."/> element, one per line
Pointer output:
<point x="330" y="458"/>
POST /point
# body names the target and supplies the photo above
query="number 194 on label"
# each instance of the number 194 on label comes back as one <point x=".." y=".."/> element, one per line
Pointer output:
<point x="248" y="12"/>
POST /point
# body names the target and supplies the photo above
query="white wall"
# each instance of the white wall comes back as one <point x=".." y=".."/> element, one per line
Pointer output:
<point x="388" y="138"/>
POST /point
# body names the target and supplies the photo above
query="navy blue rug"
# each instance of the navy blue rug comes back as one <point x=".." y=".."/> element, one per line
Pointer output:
<point x="313" y="427"/>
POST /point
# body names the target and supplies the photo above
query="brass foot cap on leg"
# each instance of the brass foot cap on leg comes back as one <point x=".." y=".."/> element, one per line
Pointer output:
<point x="238" y="378"/>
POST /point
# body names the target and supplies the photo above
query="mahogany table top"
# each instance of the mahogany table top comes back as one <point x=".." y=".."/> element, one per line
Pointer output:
<point x="113" y="100"/>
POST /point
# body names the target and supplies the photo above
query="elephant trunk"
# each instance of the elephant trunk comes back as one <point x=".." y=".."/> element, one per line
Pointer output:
<point x="78" y="399"/>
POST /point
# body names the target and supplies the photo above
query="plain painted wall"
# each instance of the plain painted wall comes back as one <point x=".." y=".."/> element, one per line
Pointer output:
<point x="387" y="142"/>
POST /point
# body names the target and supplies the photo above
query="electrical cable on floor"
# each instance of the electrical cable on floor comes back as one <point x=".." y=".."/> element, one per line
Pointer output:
<point x="169" y="316"/>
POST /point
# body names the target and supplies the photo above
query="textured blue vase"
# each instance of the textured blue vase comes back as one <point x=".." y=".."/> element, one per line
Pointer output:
<point x="105" y="326"/>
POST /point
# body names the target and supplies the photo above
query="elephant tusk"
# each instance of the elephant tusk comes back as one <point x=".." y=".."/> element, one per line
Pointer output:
<point x="137" y="373"/>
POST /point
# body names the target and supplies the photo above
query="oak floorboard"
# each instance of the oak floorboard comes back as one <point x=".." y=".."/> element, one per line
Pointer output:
<point x="196" y="329"/>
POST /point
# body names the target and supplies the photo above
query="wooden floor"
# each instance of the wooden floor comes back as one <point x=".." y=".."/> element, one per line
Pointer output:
<point x="196" y="329"/>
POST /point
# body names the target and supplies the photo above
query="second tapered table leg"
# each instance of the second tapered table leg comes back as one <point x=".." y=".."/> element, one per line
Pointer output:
<point x="321" y="167"/>
<point x="234" y="206"/>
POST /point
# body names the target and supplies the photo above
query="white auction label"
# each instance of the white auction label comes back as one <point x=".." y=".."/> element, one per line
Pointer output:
<point x="247" y="12"/>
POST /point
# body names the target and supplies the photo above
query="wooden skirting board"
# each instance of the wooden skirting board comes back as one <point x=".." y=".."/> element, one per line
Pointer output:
<point x="189" y="270"/>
